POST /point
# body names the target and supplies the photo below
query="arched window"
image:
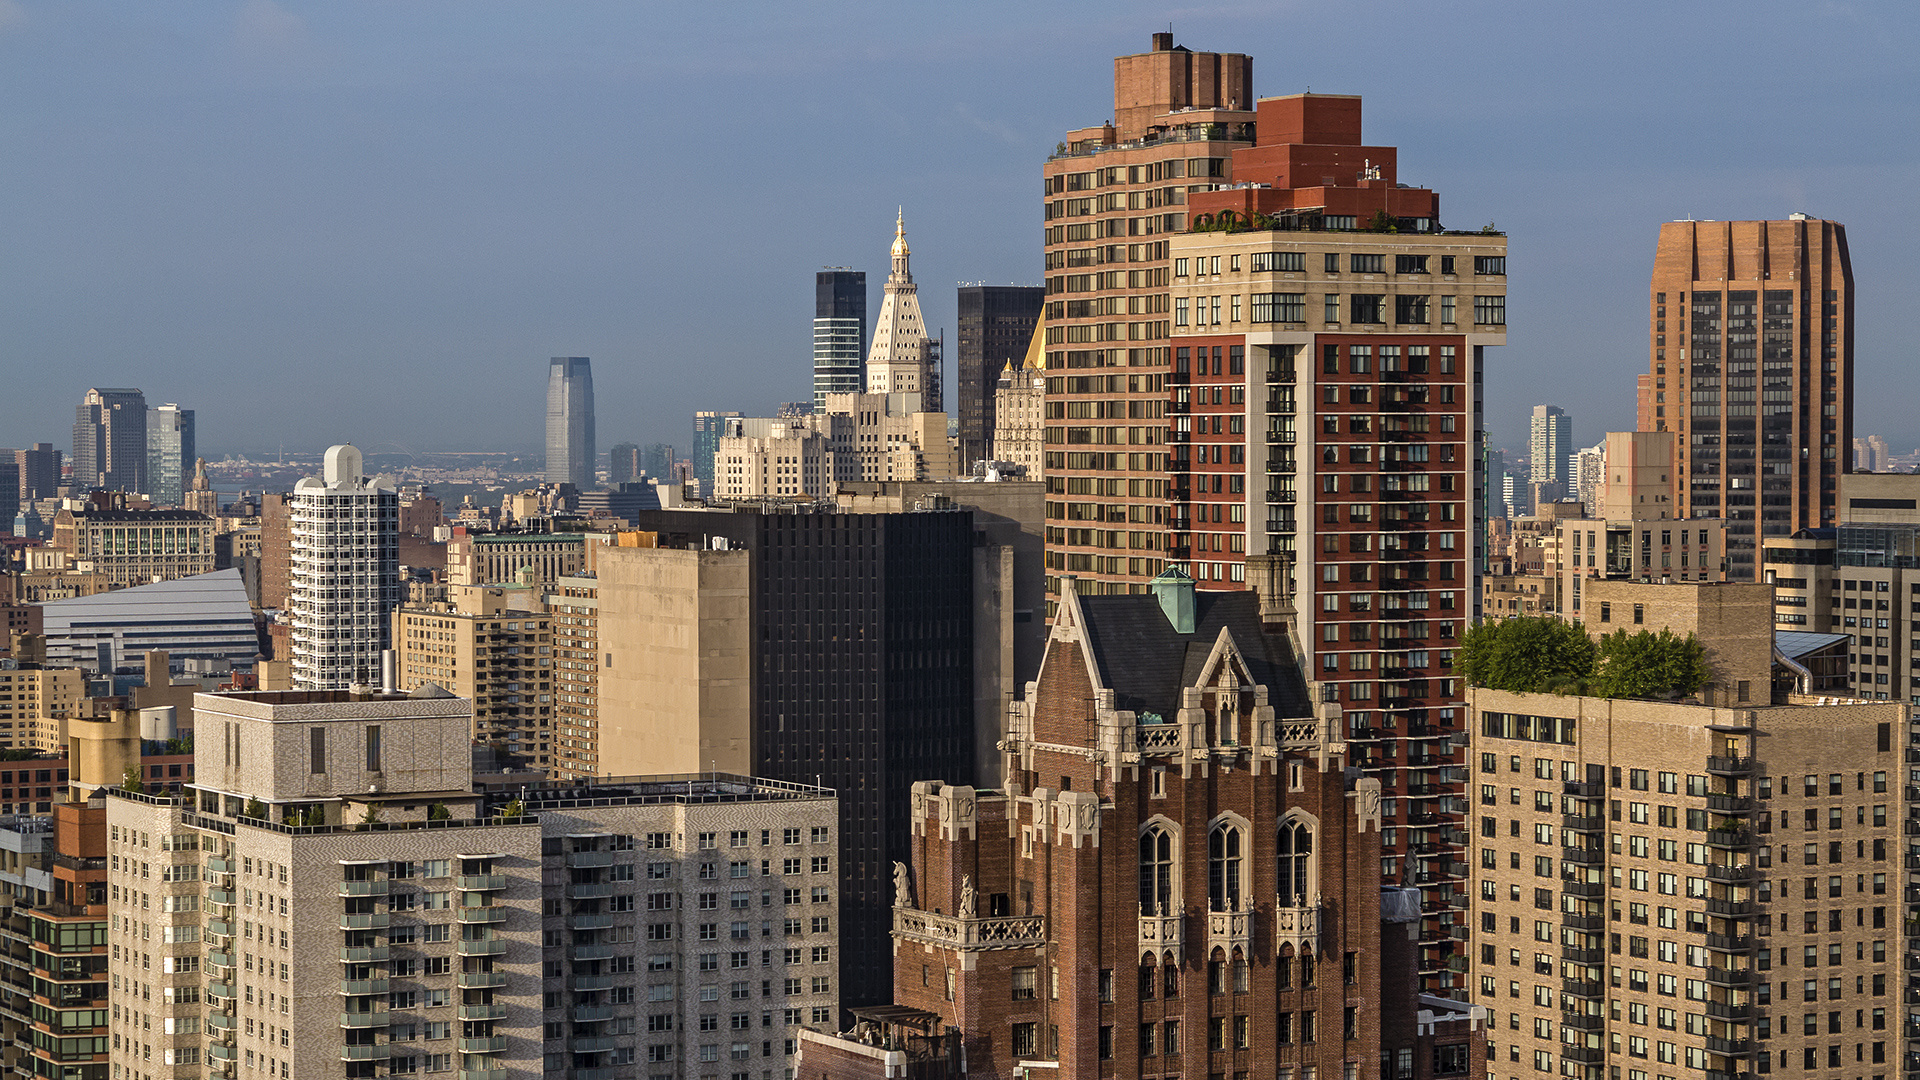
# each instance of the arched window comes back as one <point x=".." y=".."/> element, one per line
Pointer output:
<point x="1223" y="868"/>
<point x="1296" y="863"/>
<point x="1156" y="871"/>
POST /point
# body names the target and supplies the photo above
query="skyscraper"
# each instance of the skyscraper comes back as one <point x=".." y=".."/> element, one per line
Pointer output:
<point x="996" y="326"/>
<point x="110" y="440"/>
<point x="1549" y="447"/>
<point x="900" y="359"/>
<point x="170" y="453"/>
<point x="345" y="572"/>
<point x="570" y="445"/>
<point x="708" y="427"/>
<point x="1113" y="195"/>
<point x="39" y="471"/>
<point x="623" y="463"/>
<point x="1758" y="379"/>
<point x="839" y="334"/>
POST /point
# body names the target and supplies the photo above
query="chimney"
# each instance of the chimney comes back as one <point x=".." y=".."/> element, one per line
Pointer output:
<point x="1174" y="591"/>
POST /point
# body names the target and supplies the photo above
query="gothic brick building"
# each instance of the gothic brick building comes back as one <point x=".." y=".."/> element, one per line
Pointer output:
<point x="1181" y="876"/>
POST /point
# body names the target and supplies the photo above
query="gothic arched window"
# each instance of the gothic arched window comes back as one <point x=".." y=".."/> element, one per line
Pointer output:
<point x="1156" y="871"/>
<point x="1296" y="862"/>
<point x="1224" y="860"/>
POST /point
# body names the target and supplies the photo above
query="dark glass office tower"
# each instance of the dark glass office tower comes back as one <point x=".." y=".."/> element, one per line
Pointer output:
<point x="996" y="326"/>
<point x="839" y="334"/>
<point x="862" y="680"/>
<point x="170" y="454"/>
<point x="110" y="441"/>
<point x="570" y="453"/>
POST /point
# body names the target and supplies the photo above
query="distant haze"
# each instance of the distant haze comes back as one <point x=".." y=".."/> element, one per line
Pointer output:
<point x="369" y="221"/>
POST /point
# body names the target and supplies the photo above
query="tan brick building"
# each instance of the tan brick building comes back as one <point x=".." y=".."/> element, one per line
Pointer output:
<point x="1752" y="368"/>
<point x="493" y="646"/>
<point x="136" y="547"/>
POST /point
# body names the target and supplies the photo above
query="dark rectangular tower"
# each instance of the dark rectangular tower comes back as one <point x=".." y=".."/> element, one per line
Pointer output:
<point x="996" y="326"/>
<point x="839" y="334"/>
<point x="110" y="441"/>
<point x="570" y="453"/>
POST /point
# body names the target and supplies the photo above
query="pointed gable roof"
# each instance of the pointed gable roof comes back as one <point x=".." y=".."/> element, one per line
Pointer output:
<point x="1140" y="656"/>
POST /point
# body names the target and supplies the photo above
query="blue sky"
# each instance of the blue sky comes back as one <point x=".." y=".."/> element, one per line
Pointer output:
<point x="376" y="220"/>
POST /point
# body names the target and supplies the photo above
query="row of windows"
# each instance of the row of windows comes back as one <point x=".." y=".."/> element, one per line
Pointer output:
<point x="1263" y="262"/>
<point x="1367" y="309"/>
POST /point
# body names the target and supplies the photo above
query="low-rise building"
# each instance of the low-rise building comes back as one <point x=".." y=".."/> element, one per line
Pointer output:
<point x="136" y="547"/>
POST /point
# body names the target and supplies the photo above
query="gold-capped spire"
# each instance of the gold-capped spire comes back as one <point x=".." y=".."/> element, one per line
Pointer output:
<point x="900" y="234"/>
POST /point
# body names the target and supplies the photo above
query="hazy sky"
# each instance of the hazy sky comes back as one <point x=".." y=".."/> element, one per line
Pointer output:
<point x="376" y="220"/>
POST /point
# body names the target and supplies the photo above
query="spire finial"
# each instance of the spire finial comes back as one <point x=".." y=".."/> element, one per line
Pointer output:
<point x="900" y="234"/>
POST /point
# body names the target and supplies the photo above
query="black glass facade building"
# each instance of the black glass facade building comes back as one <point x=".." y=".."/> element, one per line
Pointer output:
<point x="996" y="326"/>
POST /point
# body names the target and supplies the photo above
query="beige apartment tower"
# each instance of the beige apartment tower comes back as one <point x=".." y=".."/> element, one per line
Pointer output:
<point x="1752" y="369"/>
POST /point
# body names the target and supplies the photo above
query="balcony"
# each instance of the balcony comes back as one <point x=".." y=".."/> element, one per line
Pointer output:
<point x="363" y="987"/>
<point x="1730" y="766"/>
<point x="589" y="858"/>
<point x="1583" y="823"/>
<point x="1729" y="838"/>
<point x="482" y="980"/>
<point x="374" y="1052"/>
<point x="1576" y="955"/>
<point x="365" y="922"/>
<point x="1740" y="943"/>
<point x="1230" y="930"/>
<point x="492" y="1044"/>
<point x="480" y="882"/>
<point x="1738" y="978"/>
<point x="1296" y="926"/>
<point x="1584" y="856"/>
<point x="970" y="935"/>
<point x="1730" y="909"/>
<point x="1581" y="789"/>
<point x="1583" y="888"/>
<point x="365" y="888"/>
<point x="588" y="890"/>
<point x="1583" y="1021"/>
<point x="483" y="1012"/>
<point x="588" y="1014"/>
<point x="1739" y="875"/>
<point x="1740" y="1013"/>
<point x="480" y="914"/>
<point x="364" y="955"/>
<point x="1729" y="1047"/>
<point x="483" y="947"/>
<point x="1582" y="1053"/>
<point x="1729" y="804"/>
<point x="591" y="952"/>
<point x="363" y="1019"/>
<point x="1715" y="1074"/>
<point x="220" y="991"/>
<point x="1581" y="988"/>
<point x="486" y="1074"/>
<point x="596" y="982"/>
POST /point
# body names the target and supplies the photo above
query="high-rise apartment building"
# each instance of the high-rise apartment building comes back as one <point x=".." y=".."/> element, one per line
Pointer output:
<point x="708" y="429"/>
<point x="338" y="840"/>
<point x="1752" y="367"/>
<point x="344" y="572"/>
<point x="1550" y="450"/>
<point x="1714" y="885"/>
<point x="110" y="440"/>
<point x="570" y="443"/>
<point x="839" y="333"/>
<point x="996" y="328"/>
<point x="1114" y="193"/>
<point x="39" y="472"/>
<point x="494" y="647"/>
<point x="170" y="453"/>
<point x="573" y="611"/>
<point x="623" y="464"/>
<point x="656" y="460"/>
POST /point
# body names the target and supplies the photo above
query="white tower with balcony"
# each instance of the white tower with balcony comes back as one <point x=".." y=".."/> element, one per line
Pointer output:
<point x="345" y="579"/>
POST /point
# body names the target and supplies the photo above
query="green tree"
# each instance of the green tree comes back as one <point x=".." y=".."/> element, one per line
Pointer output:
<point x="255" y="809"/>
<point x="1649" y="665"/>
<point x="513" y="810"/>
<point x="1383" y="222"/>
<point x="130" y="780"/>
<point x="1529" y="655"/>
<point x="372" y="816"/>
<point x="438" y="812"/>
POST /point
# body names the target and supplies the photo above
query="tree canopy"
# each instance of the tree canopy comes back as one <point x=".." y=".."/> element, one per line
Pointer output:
<point x="1543" y="655"/>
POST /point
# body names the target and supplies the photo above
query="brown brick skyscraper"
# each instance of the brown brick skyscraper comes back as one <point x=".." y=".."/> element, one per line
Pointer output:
<point x="1114" y="193"/>
<point x="1752" y="367"/>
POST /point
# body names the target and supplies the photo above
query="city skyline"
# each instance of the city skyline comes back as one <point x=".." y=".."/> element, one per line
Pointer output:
<point x="556" y="274"/>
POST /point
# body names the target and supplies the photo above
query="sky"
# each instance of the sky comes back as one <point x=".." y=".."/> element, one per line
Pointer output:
<point x="375" y="221"/>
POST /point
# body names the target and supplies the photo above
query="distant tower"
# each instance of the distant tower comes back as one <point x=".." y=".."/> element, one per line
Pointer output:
<point x="1549" y="448"/>
<point x="570" y="453"/>
<point x="899" y="361"/>
<point x="110" y="440"/>
<point x="839" y="334"/>
<point x="996" y="329"/>
<point x="623" y="463"/>
<point x="170" y="453"/>
<point x="200" y="497"/>
<point x="708" y="427"/>
<point x="345" y="572"/>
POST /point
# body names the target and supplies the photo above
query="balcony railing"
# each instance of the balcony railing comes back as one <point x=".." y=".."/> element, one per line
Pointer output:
<point x="953" y="932"/>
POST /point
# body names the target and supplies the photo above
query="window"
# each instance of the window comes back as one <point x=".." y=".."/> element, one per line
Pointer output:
<point x="1368" y="308"/>
<point x="1490" y="264"/>
<point x="1024" y="983"/>
<point x="1490" y="310"/>
<point x="1156" y="870"/>
<point x="1223" y="868"/>
<point x="1279" y="307"/>
<point x="1296" y="857"/>
<point x="317" y="751"/>
<point x="1367" y="264"/>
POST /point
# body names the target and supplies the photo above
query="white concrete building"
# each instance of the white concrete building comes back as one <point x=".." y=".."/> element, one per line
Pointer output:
<point x="345" y="572"/>
<point x="334" y="899"/>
